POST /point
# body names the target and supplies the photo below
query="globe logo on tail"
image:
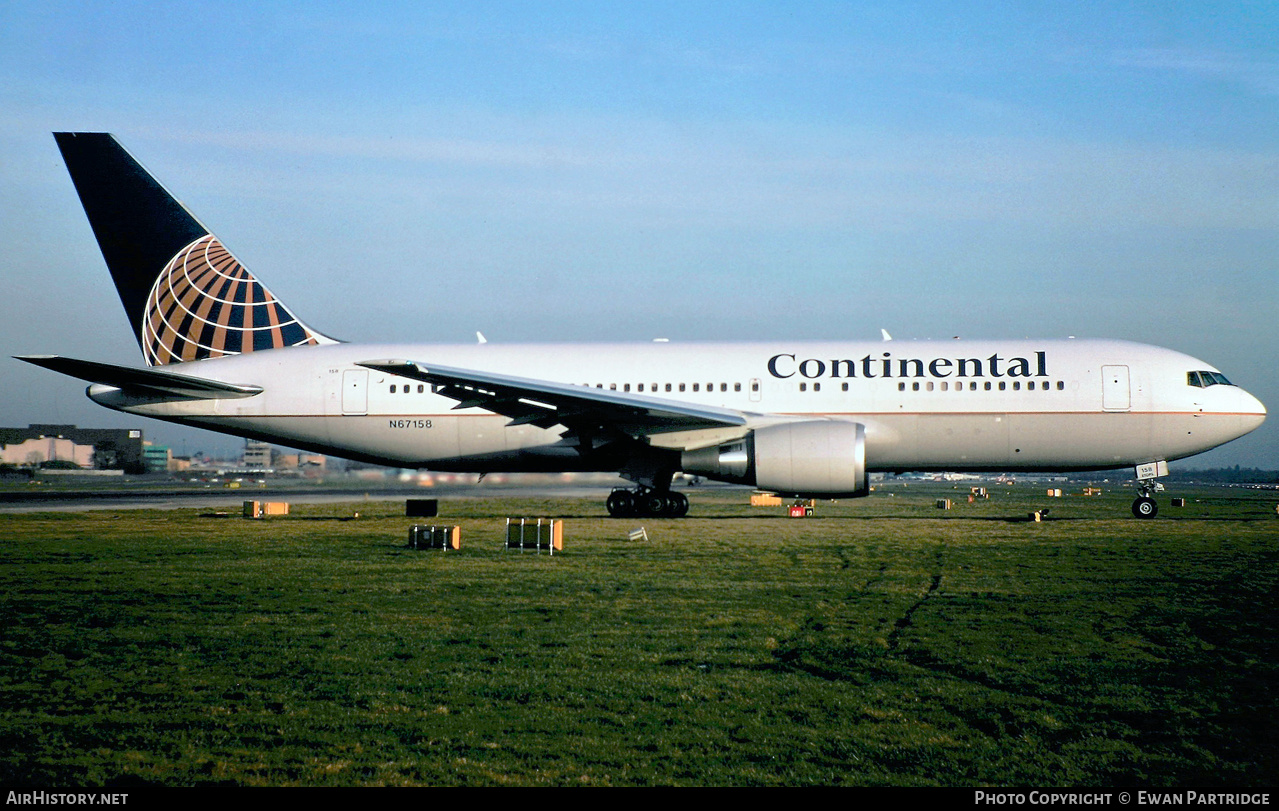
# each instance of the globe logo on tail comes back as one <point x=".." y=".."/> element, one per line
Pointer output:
<point x="205" y="304"/>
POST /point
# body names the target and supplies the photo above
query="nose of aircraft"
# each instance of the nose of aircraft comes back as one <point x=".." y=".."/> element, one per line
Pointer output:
<point x="1252" y="413"/>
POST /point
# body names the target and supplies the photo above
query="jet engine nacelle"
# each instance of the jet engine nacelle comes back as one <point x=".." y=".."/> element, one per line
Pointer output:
<point x="812" y="459"/>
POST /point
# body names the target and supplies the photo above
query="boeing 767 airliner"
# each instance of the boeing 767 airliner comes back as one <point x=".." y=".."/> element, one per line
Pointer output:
<point x="795" y="418"/>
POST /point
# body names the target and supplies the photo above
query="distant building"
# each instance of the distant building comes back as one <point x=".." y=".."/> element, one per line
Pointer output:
<point x="38" y="451"/>
<point x="257" y="455"/>
<point x="313" y="460"/>
<point x="158" y="458"/>
<point x="97" y="448"/>
<point x="299" y="461"/>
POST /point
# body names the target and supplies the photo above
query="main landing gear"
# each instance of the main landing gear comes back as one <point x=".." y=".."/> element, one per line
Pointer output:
<point x="646" y="502"/>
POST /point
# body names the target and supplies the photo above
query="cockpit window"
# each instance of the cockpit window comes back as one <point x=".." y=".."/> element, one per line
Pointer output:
<point x="1203" y="379"/>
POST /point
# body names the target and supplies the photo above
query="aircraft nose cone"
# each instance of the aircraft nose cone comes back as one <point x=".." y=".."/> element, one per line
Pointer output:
<point x="1252" y="413"/>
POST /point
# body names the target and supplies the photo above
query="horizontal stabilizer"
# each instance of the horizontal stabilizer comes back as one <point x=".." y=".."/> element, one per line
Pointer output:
<point x="544" y="403"/>
<point x="143" y="381"/>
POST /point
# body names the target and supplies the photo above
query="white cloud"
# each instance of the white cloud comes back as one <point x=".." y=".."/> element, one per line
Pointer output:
<point x="1258" y="72"/>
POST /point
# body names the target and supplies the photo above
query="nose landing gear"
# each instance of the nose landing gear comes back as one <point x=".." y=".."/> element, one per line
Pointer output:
<point x="1145" y="506"/>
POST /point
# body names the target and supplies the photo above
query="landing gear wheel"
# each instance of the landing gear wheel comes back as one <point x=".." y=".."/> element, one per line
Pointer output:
<point x="621" y="503"/>
<point x="654" y="503"/>
<point x="646" y="503"/>
<point x="1145" y="507"/>
<point x="677" y="504"/>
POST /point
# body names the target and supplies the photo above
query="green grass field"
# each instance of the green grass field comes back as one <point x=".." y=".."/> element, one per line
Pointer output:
<point x="882" y="642"/>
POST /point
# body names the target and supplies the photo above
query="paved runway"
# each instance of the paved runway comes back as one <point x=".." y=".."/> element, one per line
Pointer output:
<point x="168" y="498"/>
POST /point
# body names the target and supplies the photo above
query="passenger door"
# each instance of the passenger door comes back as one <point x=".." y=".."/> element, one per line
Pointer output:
<point x="1116" y="394"/>
<point x="355" y="392"/>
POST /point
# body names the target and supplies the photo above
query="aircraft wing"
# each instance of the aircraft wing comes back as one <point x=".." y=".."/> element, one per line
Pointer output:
<point x="145" y="382"/>
<point x="544" y="404"/>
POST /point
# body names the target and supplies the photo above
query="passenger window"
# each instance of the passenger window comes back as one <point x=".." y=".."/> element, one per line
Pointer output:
<point x="393" y="386"/>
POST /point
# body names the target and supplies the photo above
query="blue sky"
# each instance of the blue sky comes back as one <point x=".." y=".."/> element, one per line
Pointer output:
<point x="586" y="171"/>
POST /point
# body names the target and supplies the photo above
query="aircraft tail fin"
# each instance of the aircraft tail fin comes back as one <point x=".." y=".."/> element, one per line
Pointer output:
<point x="186" y="296"/>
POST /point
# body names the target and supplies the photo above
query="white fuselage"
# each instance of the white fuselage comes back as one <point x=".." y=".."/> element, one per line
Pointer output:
<point x="926" y="405"/>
